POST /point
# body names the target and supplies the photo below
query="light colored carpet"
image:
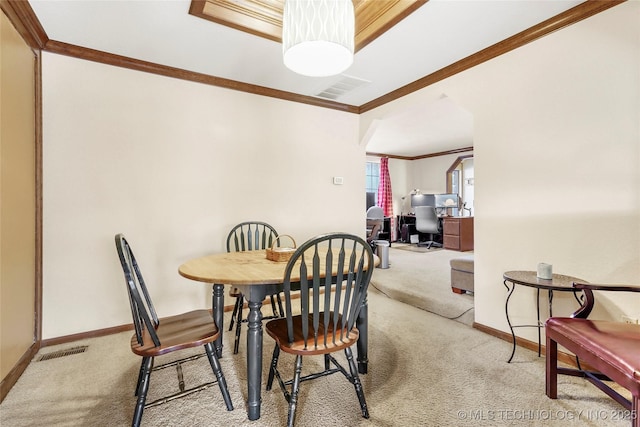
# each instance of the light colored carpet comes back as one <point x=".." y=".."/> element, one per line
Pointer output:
<point x="424" y="281"/>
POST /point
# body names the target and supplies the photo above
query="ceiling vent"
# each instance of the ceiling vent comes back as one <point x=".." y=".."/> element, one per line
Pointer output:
<point x="342" y="86"/>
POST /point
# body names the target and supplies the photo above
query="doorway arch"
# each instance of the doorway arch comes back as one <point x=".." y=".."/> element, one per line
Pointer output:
<point x="454" y="166"/>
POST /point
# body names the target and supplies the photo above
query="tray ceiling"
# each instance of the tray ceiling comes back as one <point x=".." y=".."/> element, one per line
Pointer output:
<point x="264" y="17"/>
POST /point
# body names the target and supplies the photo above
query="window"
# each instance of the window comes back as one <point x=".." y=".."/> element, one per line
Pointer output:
<point x="373" y="179"/>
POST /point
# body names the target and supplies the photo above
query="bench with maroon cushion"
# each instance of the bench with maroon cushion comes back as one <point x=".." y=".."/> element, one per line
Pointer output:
<point x="612" y="349"/>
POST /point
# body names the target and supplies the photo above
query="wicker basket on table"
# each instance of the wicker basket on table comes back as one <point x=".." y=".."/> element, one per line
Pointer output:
<point x="281" y="254"/>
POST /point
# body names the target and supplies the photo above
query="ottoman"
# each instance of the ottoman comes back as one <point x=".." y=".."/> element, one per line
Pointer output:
<point x="462" y="274"/>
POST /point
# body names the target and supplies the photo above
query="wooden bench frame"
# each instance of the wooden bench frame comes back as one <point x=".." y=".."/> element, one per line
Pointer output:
<point x="573" y="334"/>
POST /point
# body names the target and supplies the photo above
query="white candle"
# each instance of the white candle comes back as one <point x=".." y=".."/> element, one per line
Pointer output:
<point x="545" y="271"/>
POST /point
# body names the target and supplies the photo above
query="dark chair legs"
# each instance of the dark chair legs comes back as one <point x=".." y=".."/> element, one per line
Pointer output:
<point x="279" y="310"/>
<point x="292" y="397"/>
<point x="236" y="342"/>
<point x="140" y="376"/>
<point x="236" y="319"/>
<point x="356" y="382"/>
<point x="238" y="306"/>
<point x="217" y="370"/>
<point x="142" y="389"/>
<point x="295" y="388"/>
<point x="274" y="367"/>
<point x="145" y="376"/>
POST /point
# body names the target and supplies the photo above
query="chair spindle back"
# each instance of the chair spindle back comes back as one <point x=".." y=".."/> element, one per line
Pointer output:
<point x="339" y="259"/>
<point x="142" y="310"/>
<point x="250" y="236"/>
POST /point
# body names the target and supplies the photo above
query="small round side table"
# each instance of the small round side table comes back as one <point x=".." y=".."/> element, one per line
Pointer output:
<point x="558" y="282"/>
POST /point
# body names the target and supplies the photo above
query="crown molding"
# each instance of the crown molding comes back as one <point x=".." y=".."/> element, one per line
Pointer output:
<point x="423" y="156"/>
<point x="26" y="22"/>
<point x="61" y="48"/>
<point x="569" y="17"/>
<point x="24" y="19"/>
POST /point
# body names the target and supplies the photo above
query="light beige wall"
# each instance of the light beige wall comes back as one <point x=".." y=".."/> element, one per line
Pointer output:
<point x="430" y="174"/>
<point x="174" y="165"/>
<point x="557" y="160"/>
<point x="467" y="185"/>
<point x="17" y="205"/>
<point x="399" y="171"/>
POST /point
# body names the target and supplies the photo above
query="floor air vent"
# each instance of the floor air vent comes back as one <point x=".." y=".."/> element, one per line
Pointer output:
<point x="63" y="353"/>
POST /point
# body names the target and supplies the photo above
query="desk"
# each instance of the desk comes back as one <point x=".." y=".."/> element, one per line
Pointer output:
<point x="385" y="233"/>
<point x="457" y="233"/>
<point x="559" y="283"/>
<point x="256" y="277"/>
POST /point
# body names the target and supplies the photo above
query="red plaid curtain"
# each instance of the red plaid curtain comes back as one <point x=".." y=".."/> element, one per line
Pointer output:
<point x="385" y="197"/>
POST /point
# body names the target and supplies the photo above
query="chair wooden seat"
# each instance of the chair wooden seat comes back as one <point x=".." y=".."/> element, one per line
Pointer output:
<point x="187" y="330"/>
<point x="612" y="349"/>
<point x="278" y="330"/>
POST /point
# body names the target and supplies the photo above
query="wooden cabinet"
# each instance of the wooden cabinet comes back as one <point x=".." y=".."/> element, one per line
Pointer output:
<point x="457" y="233"/>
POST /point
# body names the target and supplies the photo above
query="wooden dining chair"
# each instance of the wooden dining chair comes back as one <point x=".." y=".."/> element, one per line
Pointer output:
<point x="327" y="323"/>
<point x="156" y="337"/>
<point x="250" y="236"/>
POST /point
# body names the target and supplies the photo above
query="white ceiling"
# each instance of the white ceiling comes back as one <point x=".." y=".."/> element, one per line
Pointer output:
<point x="436" y="35"/>
<point x="437" y="127"/>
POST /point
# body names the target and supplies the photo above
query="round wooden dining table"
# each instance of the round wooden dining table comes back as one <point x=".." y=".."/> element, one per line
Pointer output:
<point x="256" y="277"/>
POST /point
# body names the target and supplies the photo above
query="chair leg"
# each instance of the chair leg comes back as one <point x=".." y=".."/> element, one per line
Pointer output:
<point x="280" y="307"/>
<point x="237" y="306"/>
<point x="274" y="366"/>
<point x="142" y="389"/>
<point x="356" y="382"/>
<point x="273" y="305"/>
<point x="236" y="343"/>
<point x="295" y="388"/>
<point x="217" y="371"/>
<point x="140" y="376"/>
<point x="551" y="371"/>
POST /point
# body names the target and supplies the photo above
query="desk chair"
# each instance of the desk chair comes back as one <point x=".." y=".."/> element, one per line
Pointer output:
<point x="375" y="219"/>
<point x="156" y="337"/>
<point x="328" y="320"/>
<point x="250" y="236"/>
<point x="427" y="221"/>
